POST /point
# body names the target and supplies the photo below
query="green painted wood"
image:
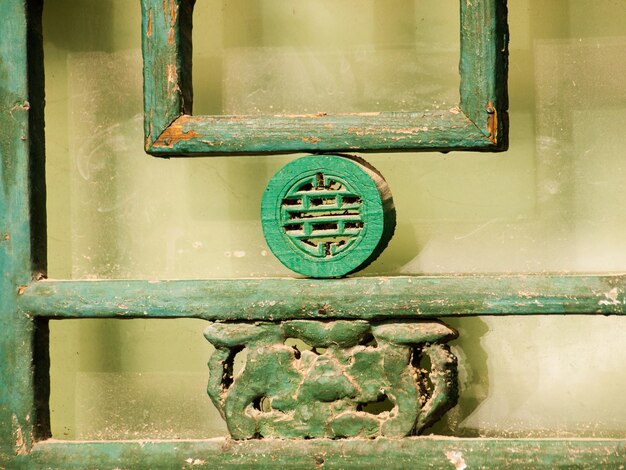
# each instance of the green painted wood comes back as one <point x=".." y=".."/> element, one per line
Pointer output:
<point x="359" y="297"/>
<point x="478" y="124"/>
<point x="354" y="379"/>
<point x="23" y="414"/>
<point x="484" y="67"/>
<point x="419" y="452"/>
<point x="327" y="216"/>
<point x="167" y="52"/>
<point x="215" y="135"/>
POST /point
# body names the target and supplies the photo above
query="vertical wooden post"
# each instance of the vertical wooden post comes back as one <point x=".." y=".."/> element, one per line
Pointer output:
<point x="23" y="414"/>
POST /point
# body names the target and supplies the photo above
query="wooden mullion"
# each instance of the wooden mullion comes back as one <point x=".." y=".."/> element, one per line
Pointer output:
<point x="23" y="413"/>
<point x="167" y="51"/>
<point x="367" y="298"/>
<point x="484" y="67"/>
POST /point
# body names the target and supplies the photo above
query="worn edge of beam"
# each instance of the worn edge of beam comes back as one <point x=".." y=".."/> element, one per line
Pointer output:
<point x="385" y="131"/>
<point x="359" y="297"/>
<point x="440" y="452"/>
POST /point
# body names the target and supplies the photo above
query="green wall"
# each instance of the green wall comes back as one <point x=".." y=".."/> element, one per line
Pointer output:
<point x="552" y="203"/>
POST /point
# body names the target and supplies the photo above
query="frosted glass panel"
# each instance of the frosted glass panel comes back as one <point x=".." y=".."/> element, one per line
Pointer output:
<point x="331" y="56"/>
<point x="129" y="380"/>
<point x="553" y="202"/>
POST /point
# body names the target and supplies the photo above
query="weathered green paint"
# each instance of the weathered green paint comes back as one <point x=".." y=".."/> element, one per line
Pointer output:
<point x="327" y="216"/>
<point x="378" y="132"/>
<point x="25" y="305"/>
<point x="23" y="414"/>
<point x="329" y="389"/>
<point x="479" y="123"/>
<point x="484" y="65"/>
<point x="166" y="45"/>
<point x="417" y="452"/>
<point x="358" y="297"/>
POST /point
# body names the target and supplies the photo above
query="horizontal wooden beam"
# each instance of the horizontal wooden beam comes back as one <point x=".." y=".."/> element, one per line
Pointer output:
<point x="218" y="135"/>
<point x="424" y="452"/>
<point x="358" y="297"/>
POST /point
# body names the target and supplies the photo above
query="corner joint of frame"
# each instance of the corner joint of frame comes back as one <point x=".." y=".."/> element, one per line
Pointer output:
<point x="492" y="127"/>
<point x="162" y="145"/>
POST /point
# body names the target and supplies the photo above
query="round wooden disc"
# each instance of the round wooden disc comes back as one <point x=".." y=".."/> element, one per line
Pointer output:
<point x="327" y="216"/>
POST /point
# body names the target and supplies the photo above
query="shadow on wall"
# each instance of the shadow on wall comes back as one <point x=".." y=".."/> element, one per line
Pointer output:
<point x="473" y="377"/>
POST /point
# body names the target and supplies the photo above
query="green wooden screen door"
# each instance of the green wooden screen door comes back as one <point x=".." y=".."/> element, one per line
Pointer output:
<point x="342" y="370"/>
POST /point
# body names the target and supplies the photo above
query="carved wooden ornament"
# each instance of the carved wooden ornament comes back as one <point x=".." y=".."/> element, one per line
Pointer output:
<point x="327" y="216"/>
<point x="351" y="378"/>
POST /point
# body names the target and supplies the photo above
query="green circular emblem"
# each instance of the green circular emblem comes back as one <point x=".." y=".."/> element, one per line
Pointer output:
<point x="327" y="216"/>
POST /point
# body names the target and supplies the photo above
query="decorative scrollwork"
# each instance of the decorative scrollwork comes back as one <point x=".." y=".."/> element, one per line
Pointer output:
<point x="333" y="379"/>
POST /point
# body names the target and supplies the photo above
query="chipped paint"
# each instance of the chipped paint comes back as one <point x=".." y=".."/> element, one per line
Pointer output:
<point x="173" y="13"/>
<point x="20" y="444"/>
<point x="610" y="297"/>
<point x="456" y="458"/>
<point x="172" y="79"/>
<point x="149" y="28"/>
<point x="176" y="133"/>
<point x="23" y="106"/>
<point x="492" y="122"/>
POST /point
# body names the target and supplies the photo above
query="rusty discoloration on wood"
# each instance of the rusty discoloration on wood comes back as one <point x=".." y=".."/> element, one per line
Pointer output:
<point x="492" y="122"/>
<point x="175" y="133"/>
<point x="149" y="28"/>
<point x="173" y="15"/>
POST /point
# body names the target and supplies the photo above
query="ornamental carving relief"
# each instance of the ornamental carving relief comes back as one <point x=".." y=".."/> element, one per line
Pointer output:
<point x="332" y="379"/>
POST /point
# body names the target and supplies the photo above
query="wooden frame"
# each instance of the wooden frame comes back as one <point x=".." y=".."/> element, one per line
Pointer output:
<point x="27" y="302"/>
<point x="478" y="123"/>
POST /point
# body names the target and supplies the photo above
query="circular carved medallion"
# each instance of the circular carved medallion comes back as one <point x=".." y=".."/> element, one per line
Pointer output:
<point x="327" y="216"/>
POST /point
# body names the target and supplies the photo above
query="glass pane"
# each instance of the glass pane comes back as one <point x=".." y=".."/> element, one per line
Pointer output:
<point x="554" y="202"/>
<point x="131" y="379"/>
<point x="331" y="56"/>
<point x="519" y="377"/>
